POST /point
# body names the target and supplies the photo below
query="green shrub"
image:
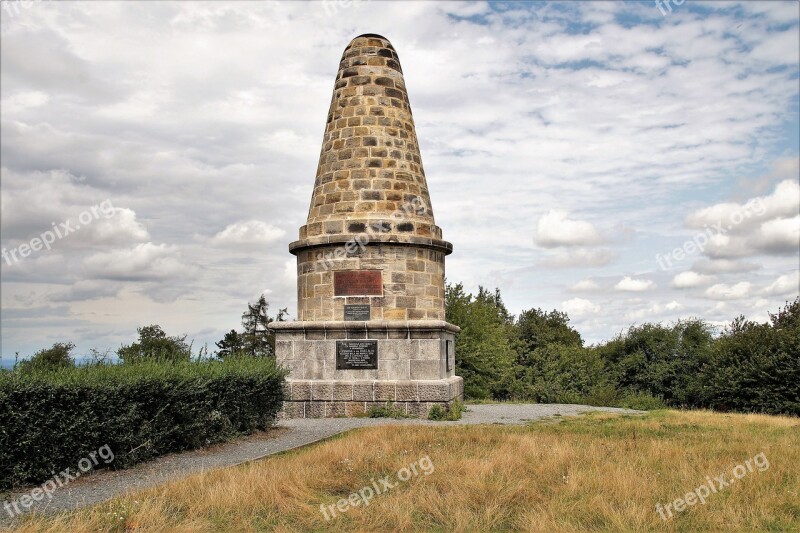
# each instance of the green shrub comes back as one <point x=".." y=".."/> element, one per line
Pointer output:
<point x="386" y="411"/>
<point x="58" y="356"/>
<point x="437" y="412"/>
<point x="663" y="361"/>
<point x="154" y="344"/>
<point x="484" y="348"/>
<point x="756" y="367"/>
<point x="641" y="401"/>
<point x="559" y="373"/>
<point x="52" y="419"/>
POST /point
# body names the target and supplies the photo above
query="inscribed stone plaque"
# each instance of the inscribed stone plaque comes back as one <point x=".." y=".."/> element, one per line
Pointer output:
<point x="358" y="312"/>
<point x="448" y="355"/>
<point x="356" y="355"/>
<point x="357" y="283"/>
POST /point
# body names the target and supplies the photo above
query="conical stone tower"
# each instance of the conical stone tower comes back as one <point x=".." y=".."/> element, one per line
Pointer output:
<point x="370" y="258"/>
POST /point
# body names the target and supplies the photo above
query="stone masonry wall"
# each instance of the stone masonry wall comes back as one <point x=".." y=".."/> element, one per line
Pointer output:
<point x="321" y="399"/>
<point x="370" y="163"/>
<point x="406" y="350"/>
<point x="413" y="282"/>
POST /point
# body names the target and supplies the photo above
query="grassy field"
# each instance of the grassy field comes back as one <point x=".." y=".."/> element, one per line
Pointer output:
<point x="599" y="472"/>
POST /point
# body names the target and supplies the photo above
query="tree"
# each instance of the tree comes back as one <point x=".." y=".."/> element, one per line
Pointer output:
<point x="484" y="349"/>
<point x="257" y="340"/>
<point x="230" y="345"/>
<point x="154" y="344"/>
<point x="663" y="361"/>
<point x="53" y="358"/>
<point x="539" y="329"/>
<point x="561" y="373"/>
<point x="756" y="367"/>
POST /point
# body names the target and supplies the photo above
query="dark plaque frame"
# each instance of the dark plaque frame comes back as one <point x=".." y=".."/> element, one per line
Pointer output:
<point x="357" y="312"/>
<point x="357" y="283"/>
<point x="357" y="355"/>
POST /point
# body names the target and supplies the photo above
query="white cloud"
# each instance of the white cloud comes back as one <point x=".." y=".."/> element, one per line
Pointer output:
<point x="718" y="266"/>
<point x="689" y="279"/>
<point x="248" y="232"/>
<point x="21" y="101"/>
<point x="634" y="285"/>
<point x="145" y="261"/>
<point x="722" y="291"/>
<point x="644" y="312"/>
<point x="767" y="224"/>
<point x="585" y="285"/>
<point x="120" y="227"/>
<point x="579" y="307"/>
<point x="580" y="257"/>
<point x="787" y="284"/>
<point x="779" y="234"/>
<point x="290" y="272"/>
<point x="556" y="229"/>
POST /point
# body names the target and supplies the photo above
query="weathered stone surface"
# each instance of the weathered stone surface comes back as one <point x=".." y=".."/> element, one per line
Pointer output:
<point x="430" y="349"/>
<point x="414" y="397"/>
<point x="284" y="349"/>
<point x="335" y="409"/>
<point x="363" y="391"/>
<point x="384" y="390"/>
<point x="342" y="391"/>
<point x="433" y="391"/>
<point x="418" y="409"/>
<point x="406" y="391"/>
<point x="322" y="390"/>
<point x="425" y="369"/>
<point x="315" y="410"/>
<point x="300" y="390"/>
<point x="314" y="369"/>
<point x="355" y="408"/>
<point x="294" y="409"/>
<point x="396" y="369"/>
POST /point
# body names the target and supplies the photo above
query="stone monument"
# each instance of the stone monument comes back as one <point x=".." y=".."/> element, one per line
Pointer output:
<point x="370" y="260"/>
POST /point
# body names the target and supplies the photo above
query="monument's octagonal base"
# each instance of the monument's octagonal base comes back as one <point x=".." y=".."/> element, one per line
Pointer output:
<point x="343" y="368"/>
<point x="321" y="399"/>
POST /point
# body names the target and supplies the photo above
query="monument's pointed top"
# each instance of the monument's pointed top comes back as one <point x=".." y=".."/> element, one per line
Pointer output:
<point x="370" y="172"/>
<point x="375" y="35"/>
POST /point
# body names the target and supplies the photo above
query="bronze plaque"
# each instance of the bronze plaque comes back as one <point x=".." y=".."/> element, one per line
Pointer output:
<point x="357" y="283"/>
<point x="356" y="355"/>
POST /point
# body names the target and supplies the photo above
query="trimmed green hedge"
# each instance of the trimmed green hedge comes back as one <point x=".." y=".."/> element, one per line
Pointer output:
<point x="50" y="420"/>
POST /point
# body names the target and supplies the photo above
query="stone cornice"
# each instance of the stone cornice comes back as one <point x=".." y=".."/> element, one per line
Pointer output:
<point x="370" y="240"/>
<point x="372" y="325"/>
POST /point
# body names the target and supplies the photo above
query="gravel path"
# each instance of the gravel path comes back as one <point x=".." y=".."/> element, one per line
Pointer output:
<point x="287" y="434"/>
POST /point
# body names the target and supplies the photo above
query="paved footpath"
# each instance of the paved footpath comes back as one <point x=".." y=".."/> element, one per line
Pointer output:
<point x="286" y="435"/>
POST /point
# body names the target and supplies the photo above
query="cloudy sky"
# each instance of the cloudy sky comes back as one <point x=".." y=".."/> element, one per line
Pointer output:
<point x="606" y="159"/>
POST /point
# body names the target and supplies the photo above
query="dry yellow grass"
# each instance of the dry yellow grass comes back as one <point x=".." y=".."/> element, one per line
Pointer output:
<point x="596" y="473"/>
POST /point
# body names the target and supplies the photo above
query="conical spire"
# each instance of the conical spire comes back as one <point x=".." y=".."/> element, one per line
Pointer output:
<point x="370" y="176"/>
